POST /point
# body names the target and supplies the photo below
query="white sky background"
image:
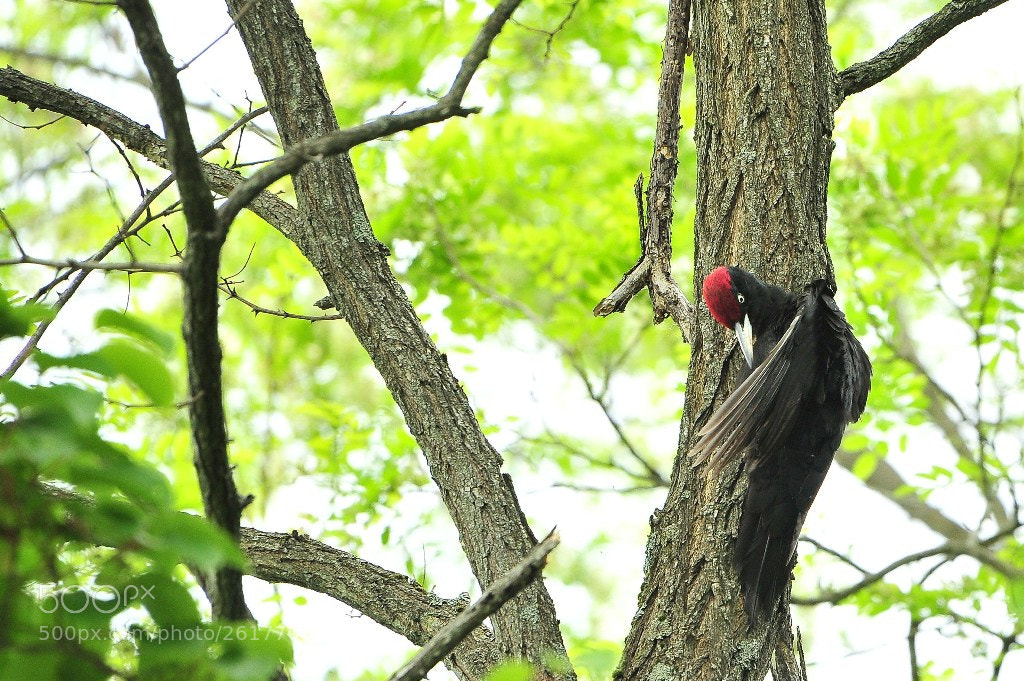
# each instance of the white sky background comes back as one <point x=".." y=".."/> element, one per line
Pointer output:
<point x="986" y="51"/>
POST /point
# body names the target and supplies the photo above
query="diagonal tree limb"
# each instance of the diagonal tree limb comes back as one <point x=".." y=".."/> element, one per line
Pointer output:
<point x="862" y="75"/>
<point x="885" y="480"/>
<point x="334" y="234"/>
<point x="201" y="263"/>
<point x="390" y="599"/>
<point x="496" y="595"/>
<point x="654" y="268"/>
<point x="18" y="87"/>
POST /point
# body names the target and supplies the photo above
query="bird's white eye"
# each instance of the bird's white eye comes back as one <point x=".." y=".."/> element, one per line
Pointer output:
<point x="740" y="298"/>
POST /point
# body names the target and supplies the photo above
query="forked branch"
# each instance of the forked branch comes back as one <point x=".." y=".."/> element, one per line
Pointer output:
<point x="654" y="268"/>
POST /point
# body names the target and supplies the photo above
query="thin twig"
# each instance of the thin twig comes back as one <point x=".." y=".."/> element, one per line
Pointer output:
<point x="284" y="314"/>
<point x="835" y="554"/>
<point x="79" y="278"/>
<point x="241" y="13"/>
<point x="497" y="594"/>
<point x="130" y="267"/>
<point x="973" y="549"/>
<point x="10" y="228"/>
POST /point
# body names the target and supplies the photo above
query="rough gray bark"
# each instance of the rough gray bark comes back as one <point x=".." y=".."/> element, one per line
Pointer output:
<point x="334" y="234"/>
<point x="766" y="94"/>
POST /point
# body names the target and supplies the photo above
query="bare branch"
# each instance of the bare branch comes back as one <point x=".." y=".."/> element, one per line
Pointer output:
<point x="284" y="314"/>
<point x="497" y="594"/>
<point x="863" y="75"/>
<point x="835" y="554"/>
<point x="974" y="548"/>
<point x="220" y="37"/>
<point x="654" y="268"/>
<point x="392" y="600"/>
<point x="915" y="627"/>
<point x="129" y="267"/>
<point x="200" y="330"/>
<point x="10" y="228"/>
<point x="341" y="141"/>
<point x="549" y="43"/>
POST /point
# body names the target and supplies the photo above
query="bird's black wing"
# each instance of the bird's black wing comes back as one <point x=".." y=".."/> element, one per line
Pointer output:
<point x="855" y="375"/>
<point x="764" y="407"/>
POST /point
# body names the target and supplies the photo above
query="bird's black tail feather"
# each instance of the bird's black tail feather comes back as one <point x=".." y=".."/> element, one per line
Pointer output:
<point x="764" y="550"/>
<point x="773" y="515"/>
<point x="763" y="559"/>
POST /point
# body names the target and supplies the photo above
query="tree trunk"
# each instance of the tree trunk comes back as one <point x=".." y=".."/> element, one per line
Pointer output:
<point x="766" y="94"/>
<point x="334" y="234"/>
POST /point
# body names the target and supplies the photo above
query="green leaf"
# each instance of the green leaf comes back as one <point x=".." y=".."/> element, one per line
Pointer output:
<point x="168" y="601"/>
<point x="135" y="327"/>
<point x="250" y="652"/>
<point x="1015" y="600"/>
<point x="16" y="320"/>
<point x="147" y="371"/>
<point x="193" y="540"/>
<point x="77" y="406"/>
<point x="138" y="481"/>
<point x="865" y="465"/>
<point x="511" y="671"/>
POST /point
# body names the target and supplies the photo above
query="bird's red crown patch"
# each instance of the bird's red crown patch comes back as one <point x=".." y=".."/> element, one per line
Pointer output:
<point x="720" y="298"/>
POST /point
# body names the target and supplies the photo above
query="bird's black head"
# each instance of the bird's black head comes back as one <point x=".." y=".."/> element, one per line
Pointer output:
<point x="729" y="293"/>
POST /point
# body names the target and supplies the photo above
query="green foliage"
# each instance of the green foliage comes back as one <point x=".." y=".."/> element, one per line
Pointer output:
<point x="930" y="180"/>
<point x="91" y="541"/>
<point x="511" y="671"/>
